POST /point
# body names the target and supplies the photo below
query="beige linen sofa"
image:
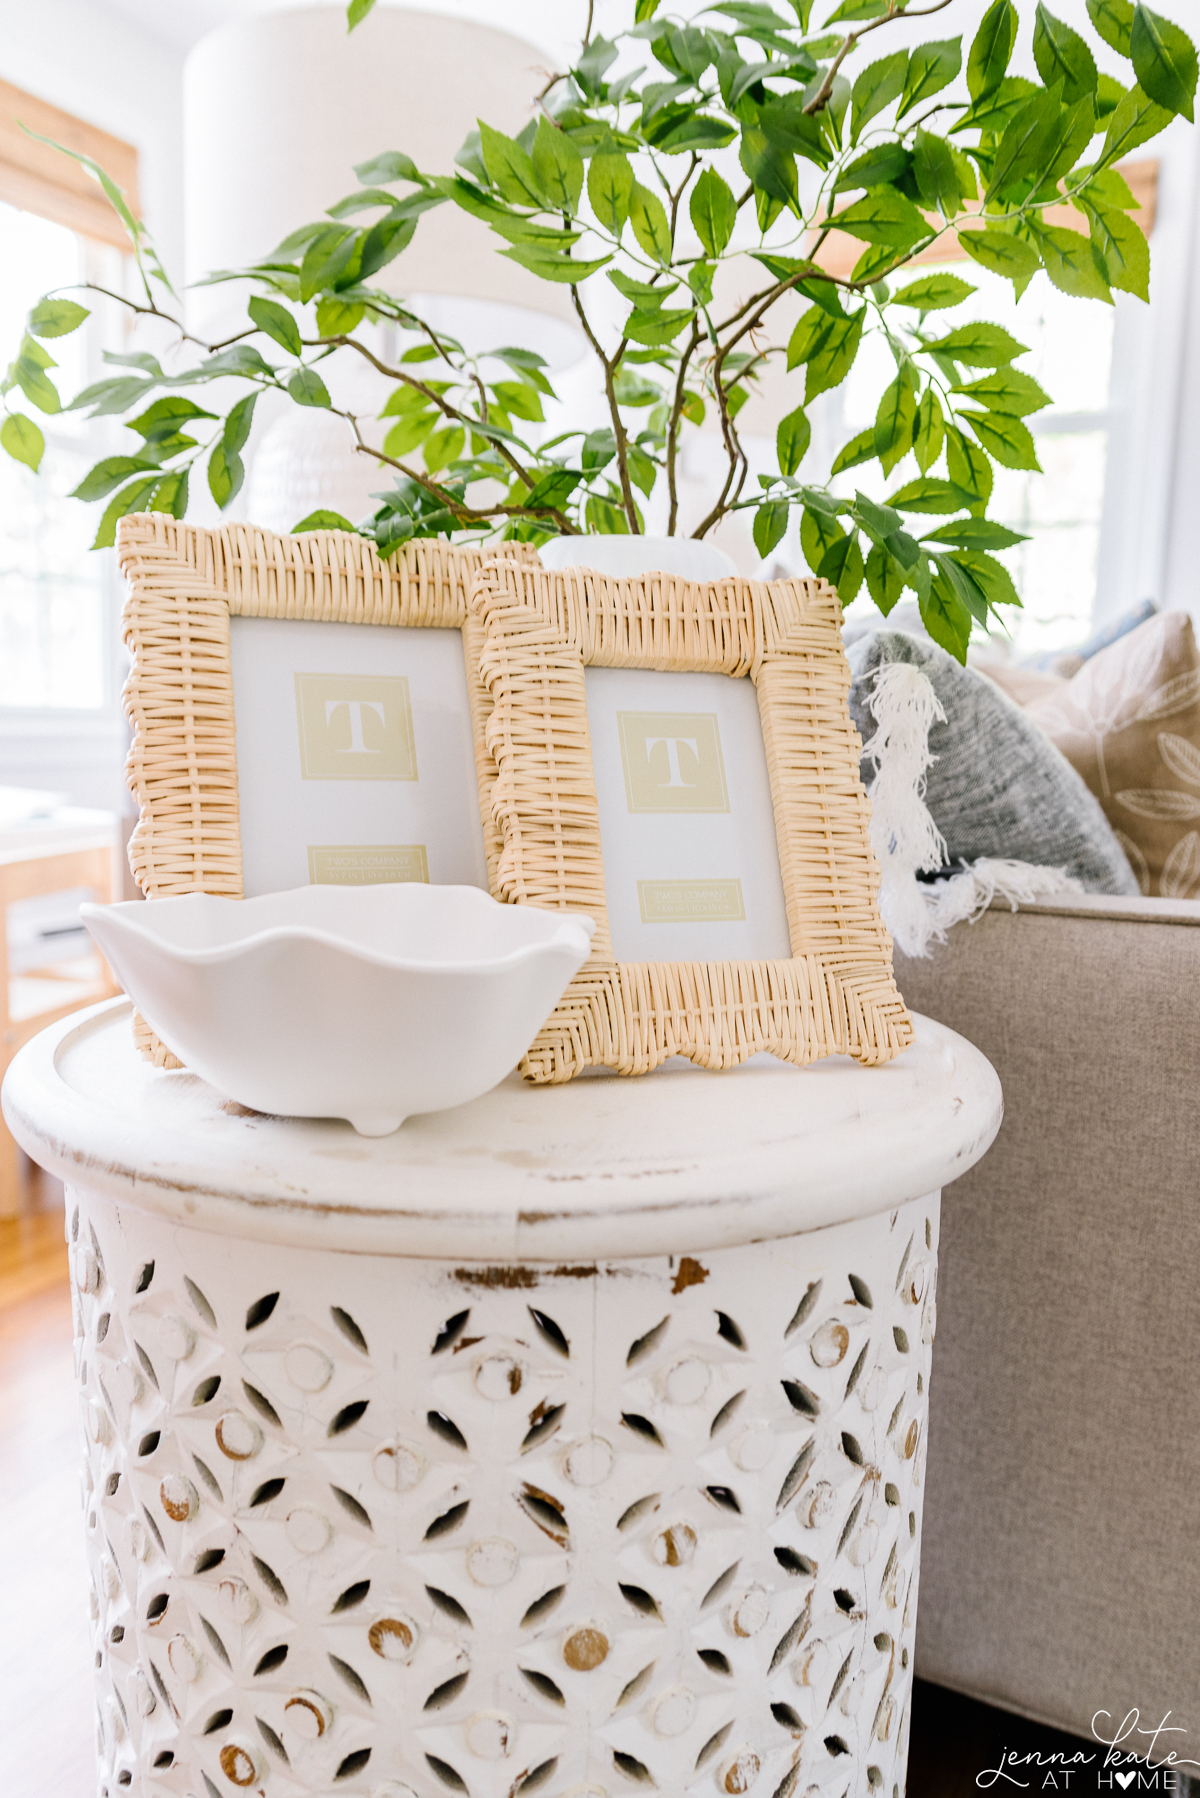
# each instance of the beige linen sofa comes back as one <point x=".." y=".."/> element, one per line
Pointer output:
<point x="1061" y="1558"/>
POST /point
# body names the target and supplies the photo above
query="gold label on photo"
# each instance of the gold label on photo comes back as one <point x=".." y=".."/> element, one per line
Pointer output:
<point x="355" y="727"/>
<point x="366" y="864"/>
<point x="672" y="762"/>
<point x="691" y="901"/>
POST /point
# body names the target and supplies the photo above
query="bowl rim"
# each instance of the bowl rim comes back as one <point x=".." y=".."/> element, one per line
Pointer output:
<point x="571" y="925"/>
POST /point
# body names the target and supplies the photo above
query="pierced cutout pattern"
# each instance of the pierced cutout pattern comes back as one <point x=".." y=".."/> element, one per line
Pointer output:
<point x="638" y="1533"/>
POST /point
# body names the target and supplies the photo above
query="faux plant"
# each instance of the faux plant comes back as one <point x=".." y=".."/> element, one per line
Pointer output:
<point x="744" y="134"/>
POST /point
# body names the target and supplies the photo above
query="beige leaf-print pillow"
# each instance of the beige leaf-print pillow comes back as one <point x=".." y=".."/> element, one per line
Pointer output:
<point x="1129" y="722"/>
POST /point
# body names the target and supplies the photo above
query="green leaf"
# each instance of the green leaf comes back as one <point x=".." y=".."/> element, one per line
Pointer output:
<point x="1121" y="244"/>
<point x="1164" y="61"/>
<point x="968" y="467"/>
<point x="932" y="292"/>
<point x="772" y="170"/>
<point x="163" y="419"/>
<point x="610" y="189"/>
<point x="677" y="129"/>
<point x="785" y="124"/>
<point x="22" y="439"/>
<point x="649" y="222"/>
<point x="991" y="48"/>
<point x="557" y="166"/>
<point x="510" y="168"/>
<point x="326" y="258"/>
<point x="819" y="531"/>
<point x="1007" y="390"/>
<point x="392" y="165"/>
<point x="828" y="345"/>
<point x="56" y="318"/>
<point x="980" y="345"/>
<point x="883" y="165"/>
<point x="337" y="317"/>
<point x="792" y="440"/>
<point x="770" y="526"/>
<point x="975" y="533"/>
<point x="935" y="496"/>
<point x="859" y="449"/>
<point x="443" y="447"/>
<point x="356" y="12"/>
<point x="594" y="63"/>
<point x="1005" y="439"/>
<point x="130" y="499"/>
<point x="33" y="352"/>
<point x="842" y="567"/>
<point x="1062" y="56"/>
<point x="108" y="474"/>
<point x="1027" y="144"/>
<point x="935" y="171"/>
<point x="605" y="517"/>
<point x="957" y="574"/>
<point x="645" y="294"/>
<point x="322" y="521"/>
<point x="277" y="322"/>
<point x="1071" y="262"/>
<point x="519" y="400"/>
<point x="713" y="211"/>
<point x="236" y="430"/>
<point x="553" y="265"/>
<point x="1113" y="20"/>
<point x="1004" y="254"/>
<point x="109" y="397"/>
<point x="700" y="280"/>
<point x="226" y="472"/>
<point x="894" y="422"/>
<point x="877" y="86"/>
<point x="656" y="327"/>
<point x="554" y="489"/>
<point x="885" y="578"/>
<point x="1136" y="119"/>
<point x="884" y="216"/>
<point x="931" y="67"/>
<point x="171" y="494"/>
<point x="991" y="577"/>
<point x="35" y="384"/>
<point x="994" y="110"/>
<point x="308" y="389"/>
<point x="946" y="618"/>
<point x="928" y="431"/>
<point x="411" y="432"/>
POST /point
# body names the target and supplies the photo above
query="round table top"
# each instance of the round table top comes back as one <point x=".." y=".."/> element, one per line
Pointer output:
<point x="604" y="1167"/>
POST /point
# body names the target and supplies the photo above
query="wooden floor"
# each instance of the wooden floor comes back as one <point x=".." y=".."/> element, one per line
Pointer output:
<point x="45" y="1656"/>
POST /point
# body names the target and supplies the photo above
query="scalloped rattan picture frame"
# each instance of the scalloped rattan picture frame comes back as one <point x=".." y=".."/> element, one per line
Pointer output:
<point x="185" y="583"/>
<point x="836" y="993"/>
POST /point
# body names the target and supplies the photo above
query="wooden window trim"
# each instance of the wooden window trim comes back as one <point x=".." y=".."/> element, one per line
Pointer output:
<point x="37" y="179"/>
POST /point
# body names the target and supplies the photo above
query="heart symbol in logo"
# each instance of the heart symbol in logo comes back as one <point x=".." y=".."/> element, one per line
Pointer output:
<point x="1125" y="1780"/>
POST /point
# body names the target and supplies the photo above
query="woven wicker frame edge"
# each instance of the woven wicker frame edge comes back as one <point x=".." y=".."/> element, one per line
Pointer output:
<point x="837" y="994"/>
<point x="184" y="584"/>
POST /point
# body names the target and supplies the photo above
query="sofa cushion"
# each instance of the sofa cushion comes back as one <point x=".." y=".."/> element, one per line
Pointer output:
<point x="1129" y="721"/>
<point x="998" y="786"/>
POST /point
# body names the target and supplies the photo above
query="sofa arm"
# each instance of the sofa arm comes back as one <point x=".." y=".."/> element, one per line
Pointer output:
<point x="1060" y="1573"/>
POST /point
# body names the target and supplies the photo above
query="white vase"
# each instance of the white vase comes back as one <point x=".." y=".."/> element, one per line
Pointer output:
<point x="623" y="557"/>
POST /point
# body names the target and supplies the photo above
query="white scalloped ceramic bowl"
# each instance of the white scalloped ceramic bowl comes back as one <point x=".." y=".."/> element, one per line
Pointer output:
<point x="365" y="1003"/>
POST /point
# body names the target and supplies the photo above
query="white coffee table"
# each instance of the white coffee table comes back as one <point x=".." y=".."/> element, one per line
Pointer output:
<point x="565" y="1442"/>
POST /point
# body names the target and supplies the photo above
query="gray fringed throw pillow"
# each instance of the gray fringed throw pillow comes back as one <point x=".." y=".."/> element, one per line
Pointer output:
<point x="998" y="785"/>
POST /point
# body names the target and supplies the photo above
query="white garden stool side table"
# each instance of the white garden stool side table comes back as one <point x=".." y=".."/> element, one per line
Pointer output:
<point x="569" y="1442"/>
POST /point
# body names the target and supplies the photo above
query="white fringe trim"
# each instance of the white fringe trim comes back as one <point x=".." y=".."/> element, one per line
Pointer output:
<point x="905" y="838"/>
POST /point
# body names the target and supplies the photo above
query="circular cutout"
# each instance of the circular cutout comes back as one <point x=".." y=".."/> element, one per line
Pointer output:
<point x="307" y="1367"/>
<point x="399" y="1466"/>
<point x="176" y="1337"/>
<point x="110" y="1579"/>
<point x="492" y="1561"/>
<point x="238" y="1436"/>
<point x="489" y="1735"/>
<point x="179" y="1498"/>
<point x="687" y="1382"/>
<point x="589" y="1462"/>
<point x="308" y="1715"/>
<point x="308" y="1530"/>
<point x="753" y="1451"/>
<point x="674" y="1712"/>
<point x="139" y="1539"/>
<point x="237" y="1601"/>
<point x="740" y="1773"/>
<point x="99" y="1428"/>
<point x="499" y="1378"/>
<point x="750" y="1612"/>
<point x="674" y="1547"/>
<point x="87" y="1271"/>
<point x="870" y="1396"/>
<point x="144" y="1701"/>
<point x="829" y="1344"/>
<point x="863" y="1544"/>
<point x="809" y="1665"/>
<point x="816" y="1505"/>
<point x="239" y="1763"/>
<point x="585" y="1649"/>
<point x="910" y="1440"/>
<point x="393" y="1638"/>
